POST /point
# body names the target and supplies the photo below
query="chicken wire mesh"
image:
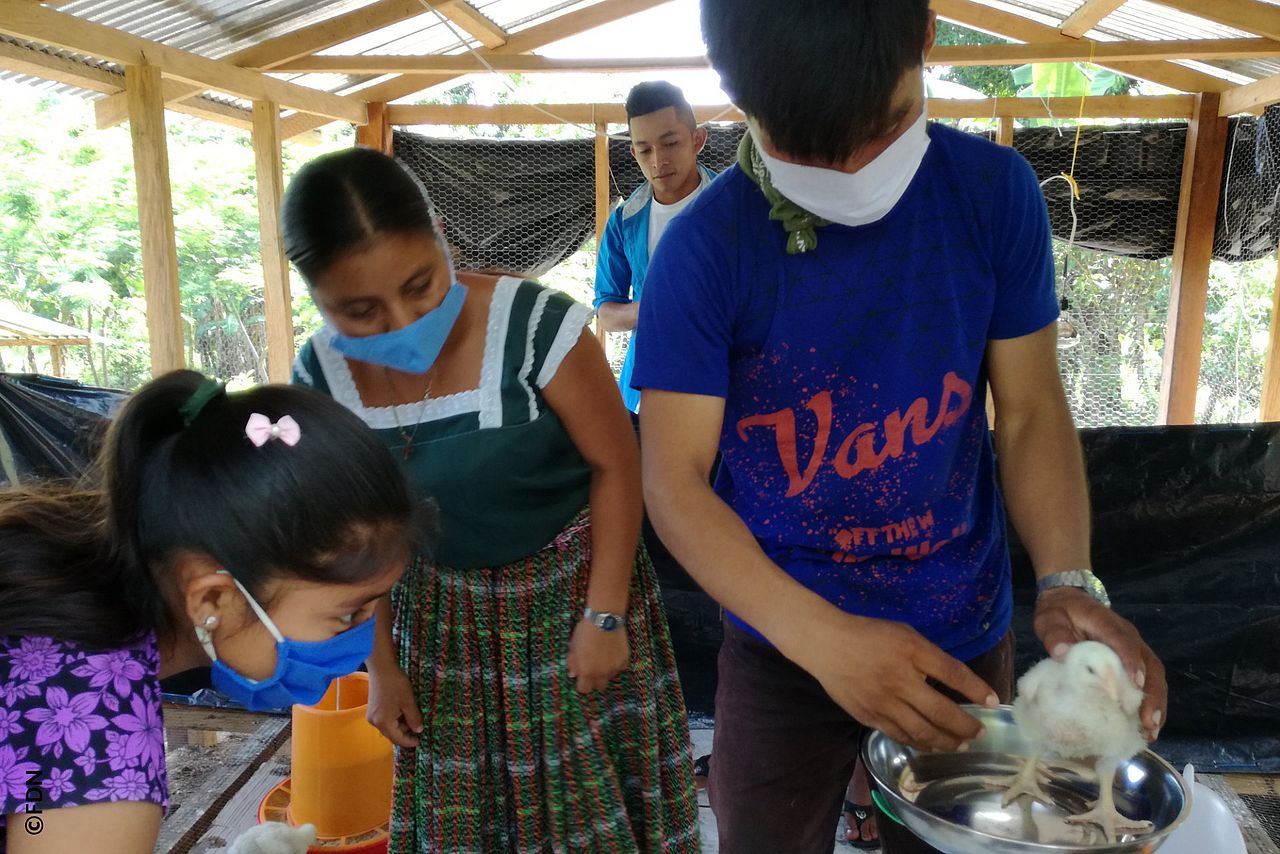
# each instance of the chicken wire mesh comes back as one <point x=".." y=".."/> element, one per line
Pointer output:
<point x="528" y="206"/>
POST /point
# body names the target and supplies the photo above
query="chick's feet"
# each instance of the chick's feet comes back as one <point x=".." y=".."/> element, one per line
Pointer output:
<point x="1025" y="782"/>
<point x="1111" y="820"/>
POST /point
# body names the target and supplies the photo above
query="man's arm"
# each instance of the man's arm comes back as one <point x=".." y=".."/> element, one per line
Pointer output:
<point x="612" y="301"/>
<point x="618" y="316"/>
<point x="1042" y="474"/>
<point x="885" y="687"/>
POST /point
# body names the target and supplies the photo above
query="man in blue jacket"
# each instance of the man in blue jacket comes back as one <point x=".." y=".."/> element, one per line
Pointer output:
<point x="665" y="141"/>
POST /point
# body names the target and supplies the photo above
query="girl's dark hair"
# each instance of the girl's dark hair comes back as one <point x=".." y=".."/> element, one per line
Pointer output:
<point x="819" y="75"/>
<point x="339" y="202"/>
<point x="92" y="563"/>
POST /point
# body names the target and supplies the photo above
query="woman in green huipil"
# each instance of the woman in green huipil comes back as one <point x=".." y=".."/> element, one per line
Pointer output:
<point x="526" y="673"/>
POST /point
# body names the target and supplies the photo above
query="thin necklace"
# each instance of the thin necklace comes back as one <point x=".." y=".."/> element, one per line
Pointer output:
<point x="405" y="435"/>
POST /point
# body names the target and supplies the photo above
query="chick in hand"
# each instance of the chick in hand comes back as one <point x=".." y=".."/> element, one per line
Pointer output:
<point x="1085" y="708"/>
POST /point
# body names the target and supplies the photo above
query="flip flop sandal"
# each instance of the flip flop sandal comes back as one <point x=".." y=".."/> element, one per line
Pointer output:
<point x="861" y="814"/>
<point x="701" y="770"/>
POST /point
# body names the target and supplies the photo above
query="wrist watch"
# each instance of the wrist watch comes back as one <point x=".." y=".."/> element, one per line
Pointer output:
<point x="603" y="620"/>
<point x="1082" y="578"/>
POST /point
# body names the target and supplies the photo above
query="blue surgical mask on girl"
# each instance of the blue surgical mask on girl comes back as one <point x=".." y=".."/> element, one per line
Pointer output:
<point x="414" y="348"/>
<point x="304" y="669"/>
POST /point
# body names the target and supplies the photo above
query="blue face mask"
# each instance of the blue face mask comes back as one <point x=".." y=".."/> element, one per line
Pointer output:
<point x="414" y="348"/>
<point x="304" y="669"/>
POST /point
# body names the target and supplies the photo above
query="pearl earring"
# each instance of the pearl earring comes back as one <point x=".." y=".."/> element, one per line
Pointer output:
<point x="210" y="621"/>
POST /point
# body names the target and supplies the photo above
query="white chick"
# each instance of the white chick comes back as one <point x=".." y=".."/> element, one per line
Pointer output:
<point x="1084" y="707"/>
<point x="274" y="837"/>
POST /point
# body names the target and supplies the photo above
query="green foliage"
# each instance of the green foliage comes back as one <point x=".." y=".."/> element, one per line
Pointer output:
<point x="996" y="81"/>
<point x="69" y="243"/>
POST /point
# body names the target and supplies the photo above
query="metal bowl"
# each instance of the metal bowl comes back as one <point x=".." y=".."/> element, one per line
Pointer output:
<point x="950" y="800"/>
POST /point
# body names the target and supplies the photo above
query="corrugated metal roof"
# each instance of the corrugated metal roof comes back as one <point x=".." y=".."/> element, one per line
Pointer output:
<point x="219" y="28"/>
<point x="1141" y="20"/>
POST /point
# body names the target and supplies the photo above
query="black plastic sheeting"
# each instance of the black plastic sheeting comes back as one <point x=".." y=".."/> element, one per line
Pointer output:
<point x="526" y="205"/>
<point x="1187" y="538"/>
<point x="50" y="427"/>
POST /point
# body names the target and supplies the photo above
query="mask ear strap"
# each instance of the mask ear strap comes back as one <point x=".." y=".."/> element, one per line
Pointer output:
<point x="257" y="609"/>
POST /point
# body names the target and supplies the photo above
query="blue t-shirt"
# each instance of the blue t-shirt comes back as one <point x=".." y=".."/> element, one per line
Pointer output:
<point x="855" y="443"/>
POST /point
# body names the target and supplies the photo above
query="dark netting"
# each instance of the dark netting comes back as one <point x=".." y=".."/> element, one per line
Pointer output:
<point x="513" y="205"/>
<point x="529" y="206"/>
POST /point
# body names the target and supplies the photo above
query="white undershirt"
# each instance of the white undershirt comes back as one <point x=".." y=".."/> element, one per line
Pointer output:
<point x="660" y="215"/>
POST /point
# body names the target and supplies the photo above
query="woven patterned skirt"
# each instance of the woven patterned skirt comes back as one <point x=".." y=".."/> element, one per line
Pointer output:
<point x="512" y="758"/>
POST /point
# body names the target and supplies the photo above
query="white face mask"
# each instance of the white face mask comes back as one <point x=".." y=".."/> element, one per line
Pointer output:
<point x="859" y="198"/>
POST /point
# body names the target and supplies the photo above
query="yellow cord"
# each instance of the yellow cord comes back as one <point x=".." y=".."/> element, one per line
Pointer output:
<point x="1075" y="149"/>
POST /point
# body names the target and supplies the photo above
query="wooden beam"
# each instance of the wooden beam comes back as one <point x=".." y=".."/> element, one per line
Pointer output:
<point x="268" y="54"/>
<point x="1251" y="96"/>
<point x="471" y="22"/>
<point x="1262" y="19"/>
<point x="277" y="298"/>
<point x="37" y="63"/>
<point x="155" y="217"/>
<point x="1270" y="407"/>
<point x="377" y="133"/>
<point x="25" y="20"/>
<point x="1101" y="106"/>
<point x="1088" y="15"/>
<point x="955" y="55"/>
<point x="466" y="63"/>
<point x="597" y="15"/>
<point x="1202" y="168"/>
<point x="1019" y="28"/>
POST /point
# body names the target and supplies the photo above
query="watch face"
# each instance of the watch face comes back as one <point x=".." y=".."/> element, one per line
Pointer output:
<point x="608" y="622"/>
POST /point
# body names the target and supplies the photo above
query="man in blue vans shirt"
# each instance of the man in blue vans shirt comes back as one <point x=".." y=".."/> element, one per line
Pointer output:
<point x="665" y="141"/>
<point x="828" y="315"/>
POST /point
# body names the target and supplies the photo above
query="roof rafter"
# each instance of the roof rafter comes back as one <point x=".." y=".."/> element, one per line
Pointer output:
<point x="290" y="46"/>
<point x="37" y="63"/>
<point x="26" y="20"/>
<point x="472" y="22"/>
<point x="1012" y="26"/>
<point x="604" y="12"/>
<point x="1088" y="15"/>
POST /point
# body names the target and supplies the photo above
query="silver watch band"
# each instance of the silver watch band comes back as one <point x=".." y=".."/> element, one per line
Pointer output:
<point x="1083" y="579"/>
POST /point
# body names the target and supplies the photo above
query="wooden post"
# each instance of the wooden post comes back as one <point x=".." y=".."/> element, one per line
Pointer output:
<point x="55" y="353"/>
<point x="602" y="196"/>
<point x="1202" y="167"/>
<point x="1270" y="408"/>
<point x="145" y="89"/>
<point x="275" y="267"/>
<point x="377" y="133"/>
<point x="1004" y="135"/>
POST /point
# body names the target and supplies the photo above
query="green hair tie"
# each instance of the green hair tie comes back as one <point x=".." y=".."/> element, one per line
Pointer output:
<point x="208" y="390"/>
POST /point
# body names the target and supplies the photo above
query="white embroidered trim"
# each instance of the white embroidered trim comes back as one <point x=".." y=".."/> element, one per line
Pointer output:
<point x="504" y="294"/>
<point x="575" y="320"/>
<point x="342" y="387"/>
<point x="539" y="306"/>
<point x="300" y="370"/>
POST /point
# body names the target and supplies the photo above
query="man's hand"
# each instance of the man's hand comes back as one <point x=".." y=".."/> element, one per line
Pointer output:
<point x="1065" y="616"/>
<point x="876" y="670"/>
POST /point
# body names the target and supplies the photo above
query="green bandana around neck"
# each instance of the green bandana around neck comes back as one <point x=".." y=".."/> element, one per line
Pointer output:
<point x="800" y="225"/>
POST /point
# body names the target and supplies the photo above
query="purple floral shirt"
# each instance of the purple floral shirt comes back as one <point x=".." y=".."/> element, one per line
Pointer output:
<point x="82" y="725"/>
